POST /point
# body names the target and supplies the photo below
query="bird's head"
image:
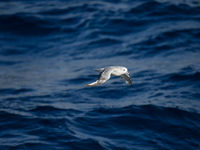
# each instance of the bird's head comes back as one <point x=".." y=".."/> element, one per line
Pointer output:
<point x="124" y="70"/>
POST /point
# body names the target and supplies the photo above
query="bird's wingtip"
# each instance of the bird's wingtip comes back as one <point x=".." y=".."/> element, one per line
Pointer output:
<point x="92" y="84"/>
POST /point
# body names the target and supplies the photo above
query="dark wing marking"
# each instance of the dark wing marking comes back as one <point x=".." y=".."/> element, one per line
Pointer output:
<point x="126" y="77"/>
<point x="100" y="75"/>
<point x="105" y="75"/>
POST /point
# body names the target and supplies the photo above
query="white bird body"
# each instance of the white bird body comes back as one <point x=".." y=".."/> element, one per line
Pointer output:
<point x="107" y="72"/>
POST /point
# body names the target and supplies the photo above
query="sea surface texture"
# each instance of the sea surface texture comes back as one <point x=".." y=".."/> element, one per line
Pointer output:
<point x="49" y="51"/>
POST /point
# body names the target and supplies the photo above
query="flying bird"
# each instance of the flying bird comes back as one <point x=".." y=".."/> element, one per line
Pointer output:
<point x="107" y="72"/>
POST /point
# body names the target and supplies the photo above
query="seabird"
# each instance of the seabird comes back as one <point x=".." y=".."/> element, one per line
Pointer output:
<point x="107" y="72"/>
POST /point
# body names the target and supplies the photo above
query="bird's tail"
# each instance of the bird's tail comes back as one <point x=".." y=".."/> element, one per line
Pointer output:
<point x="100" y="69"/>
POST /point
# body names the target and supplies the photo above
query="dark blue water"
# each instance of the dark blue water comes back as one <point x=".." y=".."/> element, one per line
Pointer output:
<point x="50" y="49"/>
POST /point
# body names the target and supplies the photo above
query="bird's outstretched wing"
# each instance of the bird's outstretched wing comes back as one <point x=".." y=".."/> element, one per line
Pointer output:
<point x="103" y="77"/>
<point x="126" y="77"/>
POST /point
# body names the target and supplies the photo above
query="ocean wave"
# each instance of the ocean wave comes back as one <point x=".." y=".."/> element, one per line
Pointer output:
<point x="50" y="50"/>
<point x="22" y="24"/>
<point x="133" y="121"/>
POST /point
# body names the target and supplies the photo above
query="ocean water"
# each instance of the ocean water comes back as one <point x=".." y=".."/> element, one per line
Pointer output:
<point x="49" y="51"/>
